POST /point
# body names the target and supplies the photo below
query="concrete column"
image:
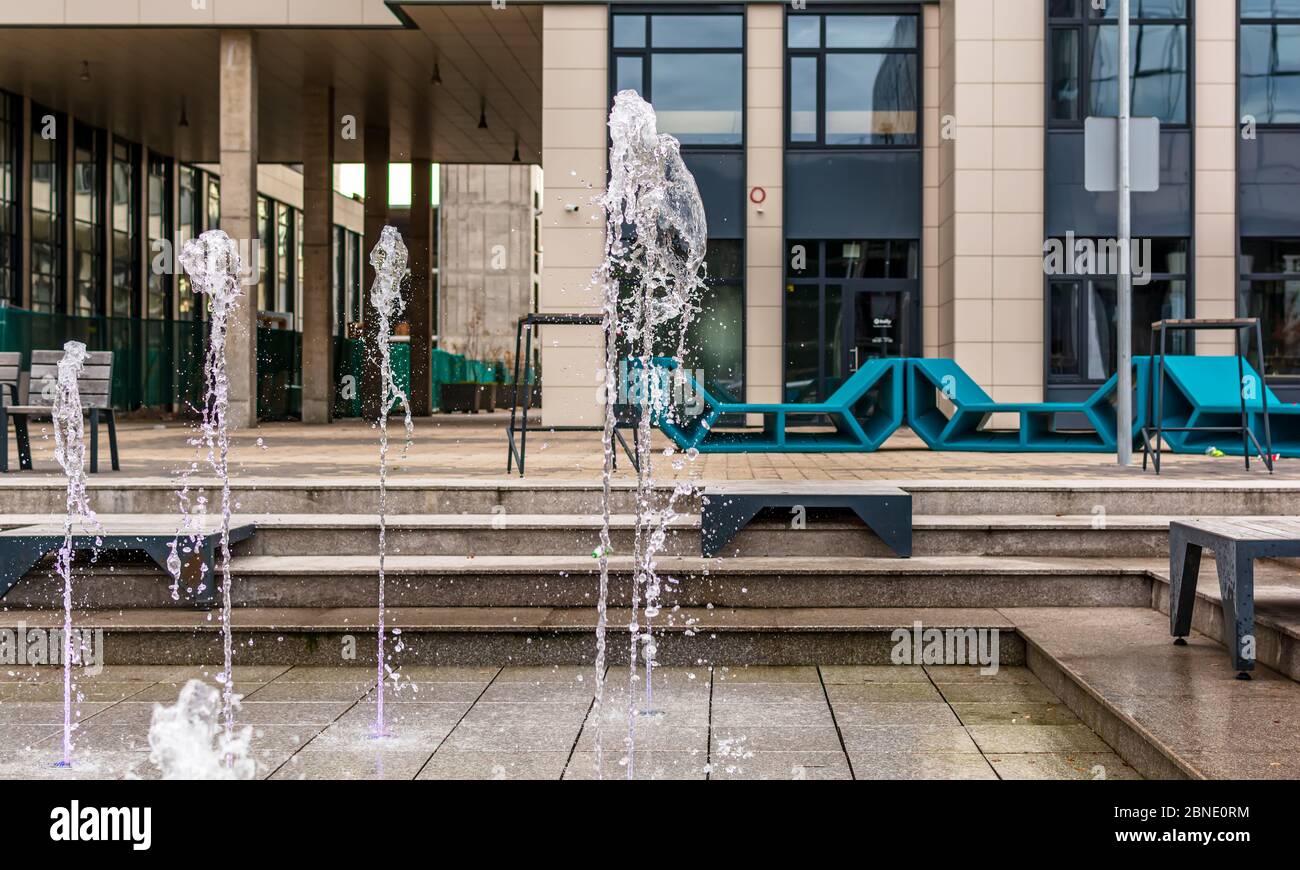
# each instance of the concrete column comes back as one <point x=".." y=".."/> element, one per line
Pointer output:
<point x="1216" y="171"/>
<point x="376" y="216"/>
<point x="765" y="168"/>
<point x="238" y="73"/>
<point x="318" y="255"/>
<point x="419" y="305"/>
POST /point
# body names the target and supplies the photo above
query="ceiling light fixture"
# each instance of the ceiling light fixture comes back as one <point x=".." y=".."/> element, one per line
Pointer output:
<point x="85" y="71"/>
<point x="185" y="120"/>
<point x="482" y="114"/>
<point x="516" y="157"/>
<point x="437" y="74"/>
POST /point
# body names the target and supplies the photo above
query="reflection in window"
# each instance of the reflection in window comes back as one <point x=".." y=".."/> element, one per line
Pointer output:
<point x="87" y="221"/>
<point x="1270" y="72"/>
<point x="158" y="227"/>
<point x="47" y="211"/>
<point x="1084" y="61"/>
<point x="690" y="66"/>
<point x="126" y="193"/>
<point x="860" y="72"/>
<point x="715" y="340"/>
<point x="1082" y="315"/>
<point x="10" y="121"/>
<point x="1270" y="290"/>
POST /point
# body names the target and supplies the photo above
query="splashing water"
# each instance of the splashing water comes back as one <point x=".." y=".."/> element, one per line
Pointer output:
<point x="655" y="242"/>
<point x="388" y="259"/>
<point x="186" y="740"/>
<point x="212" y="262"/>
<point x="70" y="451"/>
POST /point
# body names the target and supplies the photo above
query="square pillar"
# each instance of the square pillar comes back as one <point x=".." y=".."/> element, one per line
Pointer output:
<point x="318" y="255"/>
<point x="419" y="305"/>
<point x="238" y="84"/>
<point x="376" y="216"/>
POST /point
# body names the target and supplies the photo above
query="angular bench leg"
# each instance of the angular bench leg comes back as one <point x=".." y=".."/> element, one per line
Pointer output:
<point x="721" y="517"/>
<point x="1184" y="569"/>
<point x="94" y="441"/>
<point x="111" y="416"/>
<point x="1237" y="589"/>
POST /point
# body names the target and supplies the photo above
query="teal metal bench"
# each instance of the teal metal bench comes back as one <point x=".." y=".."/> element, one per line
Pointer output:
<point x="1040" y="430"/>
<point x="1206" y="392"/>
<point x="864" y="411"/>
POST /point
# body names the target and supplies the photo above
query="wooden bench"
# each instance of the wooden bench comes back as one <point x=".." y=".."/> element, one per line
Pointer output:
<point x="726" y="508"/>
<point x="1236" y="544"/>
<point x="21" y="549"/>
<point x="96" y="388"/>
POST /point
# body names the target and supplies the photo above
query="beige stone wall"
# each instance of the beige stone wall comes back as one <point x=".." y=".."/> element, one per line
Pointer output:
<point x="486" y="258"/>
<point x="574" y="85"/>
<point x="990" y="193"/>
<point x="765" y="158"/>
<point x="1215" y="97"/>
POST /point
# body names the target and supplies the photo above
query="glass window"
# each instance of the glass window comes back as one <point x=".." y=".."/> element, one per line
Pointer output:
<point x="267" y="250"/>
<point x="47" y="240"/>
<point x="697" y="31"/>
<point x="715" y="339"/>
<point x="1270" y="290"/>
<point x="1084" y="60"/>
<point x="285" y="258"/>
<point x="804" y="31"/>
<point x="88" y="222"/>
<point x="1270" y="8"/>
<point x="803" y="343"/>
<point x="629" y="31"/>
<point x="158" y="227"/>
<point x="188" y="219"/>
<point x="871" y="31"/>
<point x="214" y="202"/>
<point x="1082" y="311"/>
<point x="870" y="99"/>
<point x="126" y="254"/>
<point x="10" y="121"/>
<point x="1065" y="74"/>
<point x="697" y="97"/>
<point x="691" y="67"/>
<point x="864" y="82"/>
<point x="1270" y="73"/>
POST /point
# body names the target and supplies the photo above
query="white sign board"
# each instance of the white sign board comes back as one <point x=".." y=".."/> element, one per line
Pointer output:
<point x="1101" y="155"/>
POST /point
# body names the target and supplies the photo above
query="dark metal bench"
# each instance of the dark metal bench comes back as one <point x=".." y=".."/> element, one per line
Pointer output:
<point x="1236" y="544"/>
<point x="726" y="508"/>
<point x="10" y="374"/>
<point x="22" y="548"/>
<point x="96" y="388"/>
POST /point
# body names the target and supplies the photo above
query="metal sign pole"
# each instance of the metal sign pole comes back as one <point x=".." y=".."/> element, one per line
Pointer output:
<point x="1124" y="437"/>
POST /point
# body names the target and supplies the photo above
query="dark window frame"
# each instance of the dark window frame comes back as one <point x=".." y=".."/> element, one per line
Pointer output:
<point x="1083" y="25"/>
<point x="1242" y="22"/>
<point x="820" y="53"/>
<point x="647" y="50"/>
<point x="1246" y="279"/>
<point x="1082" y="335"/>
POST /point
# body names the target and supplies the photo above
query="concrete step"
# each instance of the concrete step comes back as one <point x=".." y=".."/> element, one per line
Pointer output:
<point x="578" y="535"/>
<point x="563" y="581"/>
<point x="519" y="636"/>
<point x="1086" y="497"/>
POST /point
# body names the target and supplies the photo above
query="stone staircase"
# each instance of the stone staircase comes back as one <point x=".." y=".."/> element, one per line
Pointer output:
<point x="492" y="572"/>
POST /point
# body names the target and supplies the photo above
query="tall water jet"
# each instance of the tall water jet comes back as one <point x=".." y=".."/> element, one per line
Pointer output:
<point x="388" y="259"/>
<point x="212" y="262"/>
<point x="70" y="451"/>
<point x="655" y="243"/>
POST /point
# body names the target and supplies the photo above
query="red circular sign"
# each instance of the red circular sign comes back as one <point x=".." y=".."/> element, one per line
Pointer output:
<point x="757" y="195"/>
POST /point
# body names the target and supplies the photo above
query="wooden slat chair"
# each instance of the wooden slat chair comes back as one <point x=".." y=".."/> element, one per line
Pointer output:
<point x="96" y="387"/>
<point x="11" y="363"/>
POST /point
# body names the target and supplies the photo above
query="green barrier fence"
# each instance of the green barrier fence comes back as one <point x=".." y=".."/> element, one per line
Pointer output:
<point x="159" y="363"/>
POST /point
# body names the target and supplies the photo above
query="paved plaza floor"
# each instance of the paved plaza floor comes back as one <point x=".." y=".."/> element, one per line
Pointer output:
<point x="881" y="722"/>
<point x="475" y="446"/>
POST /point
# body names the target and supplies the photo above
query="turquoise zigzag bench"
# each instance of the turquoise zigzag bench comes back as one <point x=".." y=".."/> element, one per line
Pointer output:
<point x="1203" y="391"/>
<point x="1040" y="422"/>
<point x="877" y="384"/>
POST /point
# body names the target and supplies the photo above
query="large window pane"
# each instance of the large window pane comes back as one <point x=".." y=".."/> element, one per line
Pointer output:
<point x="802" y="342"/>
<point x="46" y="215"/>
<point x="1270" y="256"/>
<point x="870" y="99"/>
<point x="803" y="99"/>
<point x="1065" y="74"/>
<point x="629" y="31"/>
<point x="158" y="302"/>
<point x="629" y="74"/>
<point x="715" y="340"/>
<point x="1157" y="64"/>
<point x="1064" y="332"/>
<point x="125" y="246"/>
<point x="1270" y="8"/>
<point x="697" y="31"/>
<point x="87" y="263"/>
<point x="870" y="31"/>
<point x="1277" y="305"/>
<point x="804" y="31"/>
<point x="1270" y="73"/>
<point x="698" y="97"/>
<point x="1143" y="9"/>
<point x="1159" y="300"/>
<point x="10" y="115"/>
